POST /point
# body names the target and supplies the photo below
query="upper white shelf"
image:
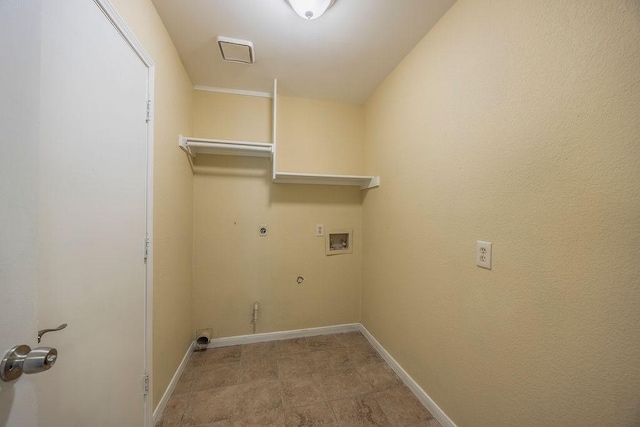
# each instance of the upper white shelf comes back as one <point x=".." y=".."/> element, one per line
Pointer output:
<point x="363" y="182"/>
<point x="194" y="146"/>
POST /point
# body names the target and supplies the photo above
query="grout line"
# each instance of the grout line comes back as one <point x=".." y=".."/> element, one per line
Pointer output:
<point x="381" y="408"/>
<point x="335" y="417"/>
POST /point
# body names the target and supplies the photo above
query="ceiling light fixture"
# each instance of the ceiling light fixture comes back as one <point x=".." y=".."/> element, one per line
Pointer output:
<point x="310" y="9"/>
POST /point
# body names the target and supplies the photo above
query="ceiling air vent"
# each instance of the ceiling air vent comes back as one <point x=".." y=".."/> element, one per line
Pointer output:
<point x="236" y="50"/>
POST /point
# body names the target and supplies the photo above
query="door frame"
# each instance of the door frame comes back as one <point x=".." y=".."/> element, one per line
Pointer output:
<point x="112" y="15"/>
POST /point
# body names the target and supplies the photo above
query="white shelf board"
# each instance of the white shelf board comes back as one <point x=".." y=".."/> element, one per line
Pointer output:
<point x="363" y="182"/>
<point x="195" y="146"/>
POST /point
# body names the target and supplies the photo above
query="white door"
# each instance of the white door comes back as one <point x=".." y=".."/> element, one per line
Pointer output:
<point x="73" y="129"/>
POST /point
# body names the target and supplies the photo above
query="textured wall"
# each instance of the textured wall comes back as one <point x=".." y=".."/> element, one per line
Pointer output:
<point x="517" y="123"/>
<point x="318" y="136"/>
<point x="233" y="265"/>
<point x="173" y="194"/>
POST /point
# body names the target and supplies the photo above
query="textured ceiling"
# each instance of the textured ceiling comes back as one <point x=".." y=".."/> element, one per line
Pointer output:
<point x="343" y="55"/>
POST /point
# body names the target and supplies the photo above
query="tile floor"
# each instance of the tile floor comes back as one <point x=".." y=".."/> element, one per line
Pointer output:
<point x="333" y="380"/>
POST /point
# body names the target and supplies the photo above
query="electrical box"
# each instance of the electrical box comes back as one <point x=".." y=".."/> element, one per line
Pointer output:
<point x="339" y="242"/>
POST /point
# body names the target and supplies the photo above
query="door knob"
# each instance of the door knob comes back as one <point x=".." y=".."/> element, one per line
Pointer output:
<point x="11" y="365"/>
<point x="21" y="359"/>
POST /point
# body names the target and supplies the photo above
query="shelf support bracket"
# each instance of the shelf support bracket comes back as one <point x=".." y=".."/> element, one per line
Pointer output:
<point x="182" y="143"/>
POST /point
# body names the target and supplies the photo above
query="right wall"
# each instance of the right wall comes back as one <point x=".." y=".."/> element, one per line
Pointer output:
<point x="518" y="123"/>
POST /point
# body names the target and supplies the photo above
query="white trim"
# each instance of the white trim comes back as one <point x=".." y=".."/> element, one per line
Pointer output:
<point x="157" y="413"/>
<point x="426" y="400"/>
<point x="275" y="336"/>
<point x="274" y="140"/>
<point x="233" y="91"/>
<point x="112" y="15"/>
<point x="150" y="237"/>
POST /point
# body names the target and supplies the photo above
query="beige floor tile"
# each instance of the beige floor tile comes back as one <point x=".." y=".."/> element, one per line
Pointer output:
<point x="296" y="365"/>
<point x="379" y="375"/>
<point x="218" y="375"/>
<point x="266" y="417"/>
<point x="292" y="346"/>
<point x="260" y="348"/>
<point x="184" y="386"/>
<point x="259" y="403"/>
<point x="343" y="383"/>
<point x="197" y="358"/>
<point x="223" y="423"/>
<point x="174" y="411"/>
<point x="302" y="391"/>
<point x="331" y="359"/>
<point x="428" y="423"/>
<point x="215" y="355"/>
<point x="312" y="415"/>
<point x="258" y="396"/>
<point x="322" y="342"/>
<point x="349" y="339"/>
<point x="401" y="407"/>
<point x="359" y="411"/>
<point x="257" y="368"/>
<point x="187" y="380"/>
<point x="190" y="372"/>
<point x="210" y="406"/>
<point x="363" y="355"/>
<point x="256" y="357"/>
<point x="223" y="355"/>
<point x="304" y="381"/>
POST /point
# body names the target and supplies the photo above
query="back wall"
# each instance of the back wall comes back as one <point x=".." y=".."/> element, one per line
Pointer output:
<point x="234" y="266"/>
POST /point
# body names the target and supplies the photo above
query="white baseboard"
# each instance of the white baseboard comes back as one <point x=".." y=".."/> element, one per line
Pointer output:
<point x="275" y="336"/>
<point x="157" y="413"/>
<point x="435" y="410"/>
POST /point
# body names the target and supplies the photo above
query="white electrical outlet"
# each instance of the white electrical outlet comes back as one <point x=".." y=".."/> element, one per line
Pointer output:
<point x="319" y="230"/>
<point x="483" y="254"/>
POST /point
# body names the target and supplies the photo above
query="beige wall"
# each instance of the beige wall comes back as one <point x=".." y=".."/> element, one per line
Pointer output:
<point x="233" y="265"/>
<point x="173" y="194"/>
<point x="517" y="123"/>
<point x="233" y="117"/>
<point x="316" y="136"/>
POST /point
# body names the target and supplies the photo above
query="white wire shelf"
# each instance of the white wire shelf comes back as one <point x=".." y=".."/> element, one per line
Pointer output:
<point x="195" y="146"/>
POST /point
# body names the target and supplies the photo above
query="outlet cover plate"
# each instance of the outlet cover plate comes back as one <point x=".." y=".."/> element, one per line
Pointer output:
<point x="483" y="254"/>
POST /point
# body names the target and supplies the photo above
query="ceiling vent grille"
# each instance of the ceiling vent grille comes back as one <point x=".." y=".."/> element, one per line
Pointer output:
<point x="236" y="50"/>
